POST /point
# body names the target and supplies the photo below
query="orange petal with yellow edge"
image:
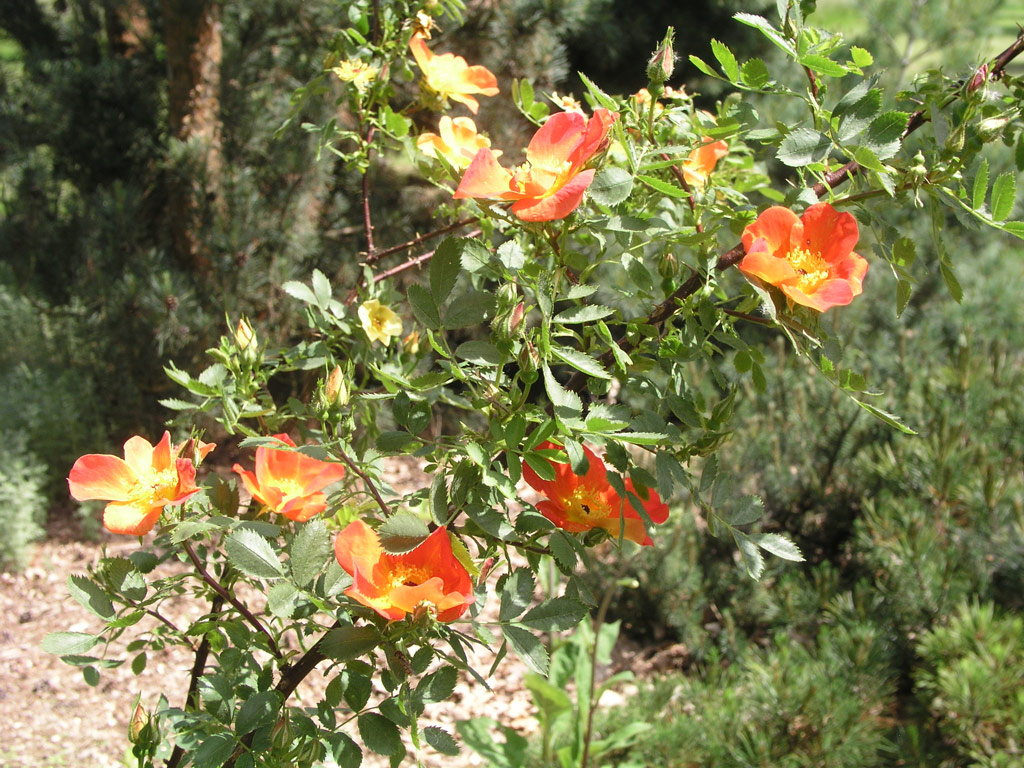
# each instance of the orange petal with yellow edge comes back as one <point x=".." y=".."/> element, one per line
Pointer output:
<point x="101" y="476"/>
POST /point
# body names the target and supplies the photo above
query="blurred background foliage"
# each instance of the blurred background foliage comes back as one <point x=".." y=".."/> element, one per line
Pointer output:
<point x="899" y="642"/>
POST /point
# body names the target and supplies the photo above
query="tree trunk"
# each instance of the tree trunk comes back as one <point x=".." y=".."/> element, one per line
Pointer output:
<point x="192" y="35"/>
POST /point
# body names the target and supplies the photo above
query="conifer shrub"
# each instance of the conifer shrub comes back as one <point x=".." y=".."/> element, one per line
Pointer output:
<point x="972" y="681"/>
<point x="789" y="704"/>
<point x="23" y="500"/>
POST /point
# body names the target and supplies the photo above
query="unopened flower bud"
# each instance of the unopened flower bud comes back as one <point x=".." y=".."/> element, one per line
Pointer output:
<point x="244" y="335"/>
<point x="422" y="611"/>
<point x="979" y="79"/>
<point x="990" y="128"/>
<point x="309" y="752"/>
<point x="509" y="313"/>
<point x="516" y="318"/>
<point x="663" y="62"/>
<point x="411" y="343"/>
<point x="667" y="266"/>
<point x="336" y="389"/>
<point x="140" y="719"/>
<point x="485" y="570"/>
<point x="528" y="358"/>
<point x="281" y="736"/>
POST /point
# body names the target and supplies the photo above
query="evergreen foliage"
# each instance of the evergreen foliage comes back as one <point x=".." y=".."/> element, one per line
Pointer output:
<point x="23" y="500"/>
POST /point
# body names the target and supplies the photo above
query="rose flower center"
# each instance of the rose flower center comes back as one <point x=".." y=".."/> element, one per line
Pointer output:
<point x="404" y="575"/>
<point x="586" y="505"/>
<point x="155" y="489"/>
<point x="810" y="267"/>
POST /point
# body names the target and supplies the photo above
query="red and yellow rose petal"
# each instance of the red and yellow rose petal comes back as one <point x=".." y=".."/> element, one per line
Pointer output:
<point x="130" y="519"/>
<point x="288" y="482"/>
<point x="557" y="205"/>
<point x="139" y="486"/>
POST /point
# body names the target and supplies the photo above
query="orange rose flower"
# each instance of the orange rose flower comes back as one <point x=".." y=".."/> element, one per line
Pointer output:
<point x="579" y="503"/>
<point x="702" y="161"/>
<point x="809" y="258"/>
<point x="139" y="486"/>
<point x="550" y="184"/>
<point x="456" y="139"/>
<point x="395" y="585"/>
<point x="450" y="77"/>
<point x="288" y="482"/>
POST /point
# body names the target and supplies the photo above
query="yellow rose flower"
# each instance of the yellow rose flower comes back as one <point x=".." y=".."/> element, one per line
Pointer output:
<point x="379" y="321"/>
<point x="358" y="73"/>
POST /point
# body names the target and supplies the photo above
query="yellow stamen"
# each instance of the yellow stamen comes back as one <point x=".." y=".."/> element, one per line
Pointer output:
<point x="811" y="267"/>
<point x="154" y="490"/>
<point x="408" y="576"/>
<point x="289" y="487"/>
<point x="585" y="505"/>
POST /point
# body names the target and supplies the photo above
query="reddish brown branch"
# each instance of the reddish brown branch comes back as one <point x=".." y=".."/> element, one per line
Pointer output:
<point x="421" y="239"/>
<point x="198" y="665"/>
<point x="415" y="262"/>
<point x="225" y="594"/>
<point x="290" y="679"/>
<point x="370" y="487"/>
<point x="994" y="71"/>
<point x="367" y="221"/>
<point x="379" y="255"/>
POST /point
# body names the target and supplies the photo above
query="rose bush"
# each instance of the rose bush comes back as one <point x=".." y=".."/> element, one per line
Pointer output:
<point x="560" y="318"/>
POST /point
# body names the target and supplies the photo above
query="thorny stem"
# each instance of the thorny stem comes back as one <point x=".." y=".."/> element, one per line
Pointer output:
<point x="198" y="665"/>
<point x="366" y="481"/>
<point x="225" y="594"/>
<point x="814" y="83"/>
<point x="380" y="255"/>
<point x="421" y="239"/>
<point x="160" y="617"/>
<point x="415" y="262"/>
<point x="919" y="118"/>
<point x="367" y="221"/>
